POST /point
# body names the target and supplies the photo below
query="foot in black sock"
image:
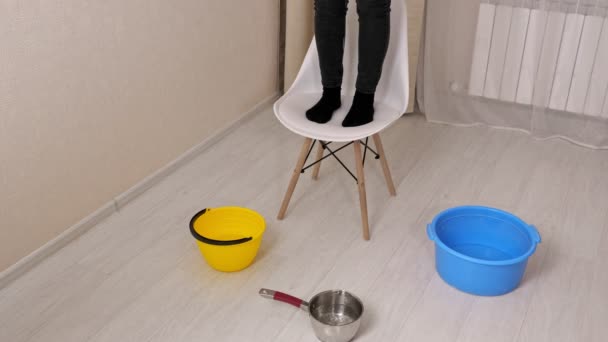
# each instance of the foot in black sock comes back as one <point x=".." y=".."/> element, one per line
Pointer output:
<point x="361" y="112"/>
<point x="324" y="109"/>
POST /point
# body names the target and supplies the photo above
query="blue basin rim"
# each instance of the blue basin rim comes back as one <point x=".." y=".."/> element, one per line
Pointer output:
<point x="498" y="214"/>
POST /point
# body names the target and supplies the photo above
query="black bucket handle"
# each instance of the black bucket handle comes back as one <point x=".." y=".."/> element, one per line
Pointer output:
<point x="209" y="241"/>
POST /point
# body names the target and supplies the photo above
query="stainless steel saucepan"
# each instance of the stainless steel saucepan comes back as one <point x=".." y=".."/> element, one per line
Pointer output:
<point x="335" y="315"/>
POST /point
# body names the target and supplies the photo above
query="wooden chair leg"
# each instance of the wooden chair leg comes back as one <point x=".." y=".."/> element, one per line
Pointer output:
<point x="294" y="177"/>
<point x="361" y="185"/>
<point x="317" y="167"/>
<point x="385" y="168"/>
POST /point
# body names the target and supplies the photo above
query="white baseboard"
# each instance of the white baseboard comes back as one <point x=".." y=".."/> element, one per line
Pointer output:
<point x="28" y="262"/>
<point x="187" y="156"/>
<point x="37" y="256"/>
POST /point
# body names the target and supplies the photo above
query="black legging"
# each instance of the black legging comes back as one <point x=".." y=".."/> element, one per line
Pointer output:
<point x="374" y="32"/>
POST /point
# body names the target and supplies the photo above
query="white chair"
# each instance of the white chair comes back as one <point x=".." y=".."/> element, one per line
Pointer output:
<point x="391" y="101"/>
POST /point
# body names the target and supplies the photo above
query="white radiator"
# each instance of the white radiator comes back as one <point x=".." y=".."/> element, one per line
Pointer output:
<point x="547" y="58"/>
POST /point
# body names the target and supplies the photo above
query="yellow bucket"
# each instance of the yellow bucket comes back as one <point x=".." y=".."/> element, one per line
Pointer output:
<point x="228" y="237"/>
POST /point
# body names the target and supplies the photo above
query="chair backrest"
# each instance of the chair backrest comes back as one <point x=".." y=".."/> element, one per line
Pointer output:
<point x="393" y="88"/>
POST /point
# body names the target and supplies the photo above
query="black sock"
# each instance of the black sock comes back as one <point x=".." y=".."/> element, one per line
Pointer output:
<point x="324" y="109"/>
<point x="361" y="112"/>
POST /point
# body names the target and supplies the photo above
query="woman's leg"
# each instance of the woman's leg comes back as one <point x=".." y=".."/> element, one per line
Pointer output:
<point x="330" y="19"/>
<point x="374" y="32"/>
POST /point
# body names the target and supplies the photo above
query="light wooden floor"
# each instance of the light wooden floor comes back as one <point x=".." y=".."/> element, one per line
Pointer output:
<point x="138" y="275"/>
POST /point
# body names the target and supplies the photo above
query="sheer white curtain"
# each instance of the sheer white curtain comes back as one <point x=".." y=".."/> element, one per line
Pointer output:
<point x="539" y="66"/>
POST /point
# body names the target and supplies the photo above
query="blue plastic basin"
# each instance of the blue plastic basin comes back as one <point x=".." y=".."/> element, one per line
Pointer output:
<point x="480" y="250"/>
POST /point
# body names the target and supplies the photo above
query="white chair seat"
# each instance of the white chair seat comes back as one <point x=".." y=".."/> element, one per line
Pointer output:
<point x="291" y="109"/>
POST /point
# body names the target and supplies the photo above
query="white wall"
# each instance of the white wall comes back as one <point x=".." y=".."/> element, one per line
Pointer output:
<point x="97" y="94"/>
<point x="299" y="30"/>
<point x="415" y="16"/>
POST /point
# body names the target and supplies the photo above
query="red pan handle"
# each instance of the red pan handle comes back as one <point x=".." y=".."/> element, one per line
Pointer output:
<point x="285" y="298"/>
